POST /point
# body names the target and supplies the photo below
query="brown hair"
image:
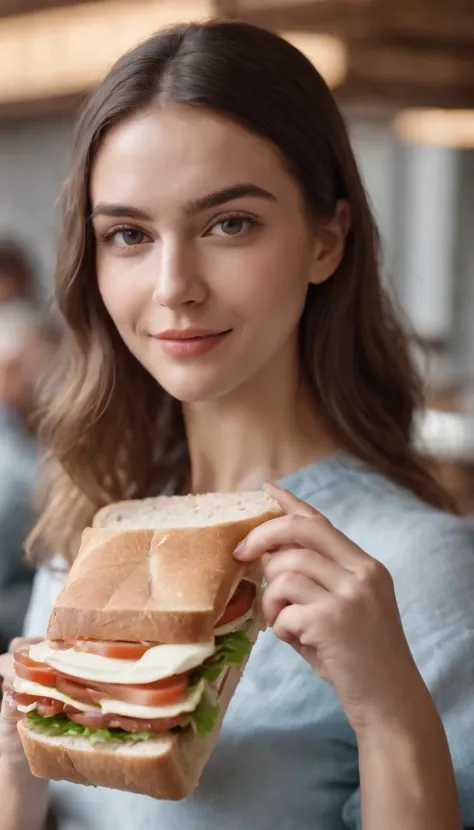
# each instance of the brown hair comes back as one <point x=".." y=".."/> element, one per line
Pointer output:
<point x="104" y="411"/>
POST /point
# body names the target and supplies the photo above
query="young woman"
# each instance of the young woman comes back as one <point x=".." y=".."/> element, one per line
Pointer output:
<point x="225" y="326"/>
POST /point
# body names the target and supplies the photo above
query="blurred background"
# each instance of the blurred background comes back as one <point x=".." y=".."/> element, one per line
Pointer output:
<point x="403" y="73"/>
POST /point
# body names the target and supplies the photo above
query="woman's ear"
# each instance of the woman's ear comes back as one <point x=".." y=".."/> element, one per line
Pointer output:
<point x="330" y="243"/>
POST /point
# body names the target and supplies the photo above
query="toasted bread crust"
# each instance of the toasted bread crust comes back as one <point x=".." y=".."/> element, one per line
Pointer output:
<point x="164" y="586"/>
<point x="159" y="775"/>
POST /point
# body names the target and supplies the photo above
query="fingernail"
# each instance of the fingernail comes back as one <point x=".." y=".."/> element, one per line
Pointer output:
<point x="239" y="552"/>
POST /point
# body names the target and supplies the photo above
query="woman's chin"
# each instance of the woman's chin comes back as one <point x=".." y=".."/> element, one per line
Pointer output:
<point x="194" y="390"/>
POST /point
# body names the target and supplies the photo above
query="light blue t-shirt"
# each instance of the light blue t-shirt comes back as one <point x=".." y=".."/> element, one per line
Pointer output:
<point x="287" y="758"/>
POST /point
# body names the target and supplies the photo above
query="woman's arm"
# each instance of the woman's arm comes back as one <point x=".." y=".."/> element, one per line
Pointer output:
<point x="24" y="798"/>
<point x="406" y="775"/>
<point x="337" y="607"/>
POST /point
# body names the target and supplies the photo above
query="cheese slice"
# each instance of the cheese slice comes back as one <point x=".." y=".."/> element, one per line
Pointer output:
<point x="27" y="687"/>
<point x="157" y="663"/>
<point x="113" y="707"/>
<point x="133" y="710"/>
<point x="26" y="709"/>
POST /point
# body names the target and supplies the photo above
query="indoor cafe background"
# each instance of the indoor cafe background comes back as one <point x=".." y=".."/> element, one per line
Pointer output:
<point x="403" y="72"/>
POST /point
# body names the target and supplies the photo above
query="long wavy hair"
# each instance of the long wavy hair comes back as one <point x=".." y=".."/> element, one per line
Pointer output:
<point x="110" y="430"/>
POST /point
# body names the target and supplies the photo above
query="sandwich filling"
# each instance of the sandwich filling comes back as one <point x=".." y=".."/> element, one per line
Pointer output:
<point x="129" y="691"/>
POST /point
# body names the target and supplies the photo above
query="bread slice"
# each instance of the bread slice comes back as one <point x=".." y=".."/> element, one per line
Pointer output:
<point x="160" y="570"/>
<point x="167" y="768"/>
<point x="202" y="510"/>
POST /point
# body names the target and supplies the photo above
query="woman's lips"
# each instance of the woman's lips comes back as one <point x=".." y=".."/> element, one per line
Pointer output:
<point x="191" y="346"/>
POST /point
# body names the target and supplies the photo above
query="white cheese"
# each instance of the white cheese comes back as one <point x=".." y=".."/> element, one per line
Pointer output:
<point x="133" y="710"/>
<point x="113" y="707"/>
<point x="157" y="663"/>
<point x="26" y="709"/>
<point x="229" y="628"/>
<point x="29" y="688"/>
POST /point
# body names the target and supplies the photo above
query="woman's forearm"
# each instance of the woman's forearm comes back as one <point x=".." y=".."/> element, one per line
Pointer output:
<point x="24" y="799"/>
<point x="406" y="775"/>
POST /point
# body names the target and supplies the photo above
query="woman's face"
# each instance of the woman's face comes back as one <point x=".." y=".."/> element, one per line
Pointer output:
<point x="204" y="251"/>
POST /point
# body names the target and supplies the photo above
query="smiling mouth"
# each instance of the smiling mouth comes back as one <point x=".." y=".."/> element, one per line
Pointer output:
<point x="190" y="334"/>
<point x="195" y="345"/>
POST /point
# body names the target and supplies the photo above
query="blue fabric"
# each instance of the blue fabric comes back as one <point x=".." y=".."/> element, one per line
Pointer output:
<point x="287" y="758"/>
<point x="17" y="477"/>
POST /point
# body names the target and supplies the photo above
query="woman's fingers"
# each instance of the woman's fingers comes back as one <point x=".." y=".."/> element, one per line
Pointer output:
<point x="309" y="563"/>
<point x="289" y="502"/>
<point x="6" y="672"/>
<point x="6" y="664"/>
<point x="294" y="530"/>
<point x="18" y="642"/>
<point x="9" y="712"/>
<point x="288" y="589"/>
<point x="291" y="622"/>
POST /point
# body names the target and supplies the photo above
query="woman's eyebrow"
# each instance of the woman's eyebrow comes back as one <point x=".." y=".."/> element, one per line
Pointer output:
<point x="104" y="209"/>
<point x="211" y="200"/>
<point x="227" y="194"/>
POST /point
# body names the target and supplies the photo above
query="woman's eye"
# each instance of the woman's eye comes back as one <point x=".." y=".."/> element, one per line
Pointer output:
<point x="127" y="237"/>
<point x="233" y="226"/>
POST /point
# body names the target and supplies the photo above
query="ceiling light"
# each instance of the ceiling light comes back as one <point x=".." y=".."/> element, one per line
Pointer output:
<point x="326" y="52"/>
<point x="68" y="50"/>
<point x="441" y="128"/>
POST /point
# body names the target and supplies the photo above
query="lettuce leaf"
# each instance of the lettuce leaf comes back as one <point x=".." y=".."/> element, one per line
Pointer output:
<point x="234" y="647"/>
<point x="61" y="725"/>
<point x="204" y="716"/>
<point x="231" y="650"/>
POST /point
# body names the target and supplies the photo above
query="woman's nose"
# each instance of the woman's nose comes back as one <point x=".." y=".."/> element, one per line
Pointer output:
<point x="178" y="280"/>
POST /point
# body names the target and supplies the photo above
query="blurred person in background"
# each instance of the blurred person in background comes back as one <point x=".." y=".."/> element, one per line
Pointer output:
<point x="22" y="354"/>
<point x="17" y="277"/>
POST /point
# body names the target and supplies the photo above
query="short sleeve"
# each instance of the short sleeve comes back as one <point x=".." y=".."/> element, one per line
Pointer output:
<point x="47" y="584"/>
<point x="434" y="582"/>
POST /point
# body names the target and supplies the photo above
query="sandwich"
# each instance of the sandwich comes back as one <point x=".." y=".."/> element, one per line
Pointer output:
<point x="145" y="645"/>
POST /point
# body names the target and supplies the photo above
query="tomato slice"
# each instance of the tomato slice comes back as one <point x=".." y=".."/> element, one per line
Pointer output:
<point x="24" y="700"/>
<point x="160" y="693"/>
<point x="49" y="708"/>
<point x="27" y="669"/>
<point x="95" y="720"/>
<point x="138" y="725"/>
<point x="92" y="719"/>
<point x="78" y="691"/>
<point x="22" y="657"/>
<point x="239" y="603"/>
<point x="117" y="650"/>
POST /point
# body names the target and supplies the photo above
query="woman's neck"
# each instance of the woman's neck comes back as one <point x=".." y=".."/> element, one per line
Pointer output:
<point x="259" y="433"/>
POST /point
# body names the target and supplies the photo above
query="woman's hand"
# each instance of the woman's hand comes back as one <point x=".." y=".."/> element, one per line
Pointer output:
<point x="24" y="797"/>
<point x="10" y="743"/>
<point x="336" y="606"/>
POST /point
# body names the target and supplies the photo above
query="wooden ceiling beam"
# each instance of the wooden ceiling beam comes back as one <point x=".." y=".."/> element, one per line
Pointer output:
<point x="14" y="7"/>
<point x="423" y="19"/>
<point x="447" y="23"/>
<point x="389" y="61"/>
<point x="340" y="17"/>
